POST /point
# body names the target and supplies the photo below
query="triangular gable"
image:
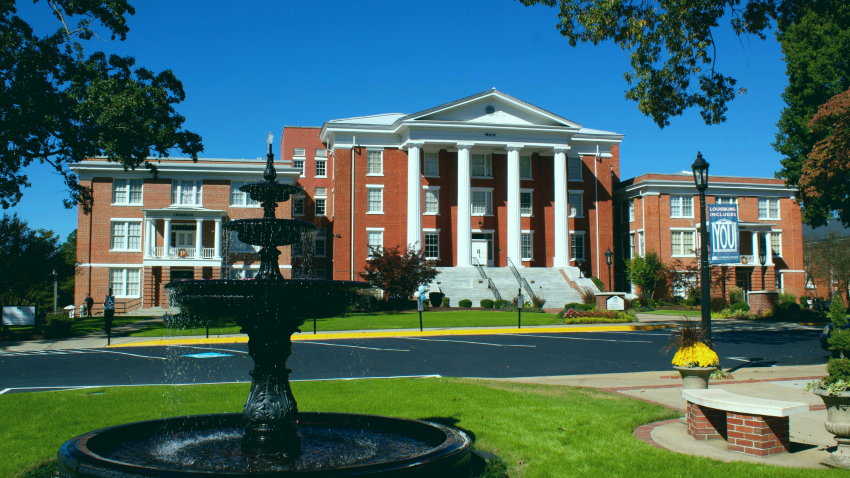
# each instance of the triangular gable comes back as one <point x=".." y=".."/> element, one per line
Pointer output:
<point x="507" y="110"/>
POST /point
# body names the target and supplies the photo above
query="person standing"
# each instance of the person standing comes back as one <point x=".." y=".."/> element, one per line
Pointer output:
<point x="89" y="304"/>
<point x="108" y="315"/>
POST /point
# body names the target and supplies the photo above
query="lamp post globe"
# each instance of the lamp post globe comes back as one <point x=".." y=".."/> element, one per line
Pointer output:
<point x="608" y="260"/>
<point x="700" y="169"/>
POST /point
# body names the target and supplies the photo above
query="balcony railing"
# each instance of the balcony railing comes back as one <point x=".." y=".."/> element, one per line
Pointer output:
<point x="187" y="253"/>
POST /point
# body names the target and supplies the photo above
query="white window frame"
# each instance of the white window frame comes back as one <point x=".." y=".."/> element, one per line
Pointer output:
<point x="126" y="223"/>
<point x="425" y="156"/>
<point x="298" y="197"/>
<point x="321" y="236"/>
<point x="631" y="208"/>
<point x="425" y="232"/>
<point x="629" y="245"/>
<point x="246" y="200"/>
<point x="573" y="235"/>
<point x="726" y="200"/>
<point x="324" y="203"/>
<point x="240" y="273"/>
<point x="125" y="283"/>
<point x="127" y="185"/>
<point x="574" y="166"/>
<point x="777" y="233"/>
<point x="682" y="230"/>
<point x="530" y="193"/>
<point x="370" y="163"/>
<point x="197" y="192"/>
<point x="369" y="232"/>
<point x="369" y="189"/>
<point x="580" y="210"/>
<point x="768" y="209"/>
<point x="681" y="201"/>
<point x="487" y="192"/>
<point x="324" y="162"/>
<point x="530" y="234"/>
<point x="435" y="192"/>
<point x="529" y="168"/>
<point x="299" y="159"/>
<point x="488" y="166"/>
<point x="641" y="245"/>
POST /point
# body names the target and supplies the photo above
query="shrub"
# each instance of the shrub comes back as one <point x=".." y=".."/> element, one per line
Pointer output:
<point x="500" y="304"/>
<point x="695" y="295"/>
<point x="804" y="300"/>
<point x="635" y="304"/>
<point x="736" y="294"/>
<point x="595" y="316"/>
<point x="538" y="301"/>
<point x="486" y="304"/>
<point x="574" y="305"/>
<point x="740" y="306"/>
<point x="787" y="297"/>
<point x="598" y="283"/>
<point x="57" y="325"/>
<point x="598" y="320"/>
<point x="717" y="304"/>
<point x="445" y="302"/>
<point x="788" y="309"/>
<point x="650" y="303"/>
<point x="436" y="298"/>
<point x="838" y="369"/>
<point x="689" y="302"/>
<point x="587" y="295"/>
<point x="464" y="303"/>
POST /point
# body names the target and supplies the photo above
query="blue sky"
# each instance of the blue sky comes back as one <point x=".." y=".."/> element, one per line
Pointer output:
<point x="252" y="67"/>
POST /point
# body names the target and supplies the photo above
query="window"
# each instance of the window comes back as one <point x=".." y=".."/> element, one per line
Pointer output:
<point x="374" y="200"/>
<point x="299" y="165"/>
<point x="432" y="201"/>
<point x="375" y="242"/>
<point x="321" y="168"/>
<point x="525" y="167"/>
<point x="320" y="274"/>
<point x="482" y="202"/>
<point x="237" y="274"/>
<point x="525" y="243"/>
<point x="726" y="200"/>
<point x="631" y="209"/>
<point x="432" y="164"/>
<point x="299" y="152"/>
<point x="628" y="246"/>
<point x="125" y="282"/>
<point x="641" y="249"/>
<point x="321" y="153"/>
<point x="574" y="169"/>
<point x="768" y="208"/>
<point x="432" y="245"/>
<point x="525" y="203"/>
<point x="776" y="243"/>
<point x="298" y="249"/>
<point x="126" y="236"/>
<point x="127" y="191"/>
<point x="238" y="246"/>
<point x="297" y="206"/>
<point x="321" y="206"/>
<point x="320" y="242"/>
<point x="681" y="206"/>
<point x="575" y="205"/>
<point x="683" y="243"/>
<point x="239" y="198"/>
<point x="375" y="163"/>
<point x="482" y="165"/>
<point x="186" y="193"/>
<point x="577" y="245"/>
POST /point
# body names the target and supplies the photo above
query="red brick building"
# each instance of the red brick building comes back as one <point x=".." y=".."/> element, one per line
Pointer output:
<point x="661" y="213"/>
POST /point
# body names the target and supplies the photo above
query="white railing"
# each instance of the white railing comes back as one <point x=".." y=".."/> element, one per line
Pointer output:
<point x="187" y="253"/>
<point x="749" y="260"/>
<point x="209" y="253"/>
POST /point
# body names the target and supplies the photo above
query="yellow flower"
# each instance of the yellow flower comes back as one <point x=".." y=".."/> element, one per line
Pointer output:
<point x="700" y="355"/>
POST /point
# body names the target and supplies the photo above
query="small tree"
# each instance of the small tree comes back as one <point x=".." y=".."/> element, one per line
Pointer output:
<point x="840" y="338"/>
<point x="398" y="272"/>
<point x="645" y="272"/>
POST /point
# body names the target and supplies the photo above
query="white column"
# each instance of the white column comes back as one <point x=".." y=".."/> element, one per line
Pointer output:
<point x="768" y="249"/>
<point x="166" y="239"/>
<point x="199" y="238"/>
<point x="414" y="197"/>
<point x="148" y="245"/>
<point x="514" y="229"/>
<point x="217" y="243"/>
<point x="464" y="207"/>
<point x="562" y="238"/>
<point x="755" y="248"/>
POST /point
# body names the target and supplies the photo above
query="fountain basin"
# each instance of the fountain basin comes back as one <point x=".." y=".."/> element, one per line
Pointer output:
<point x="334" y="444"/>
<point x="271" y="231"/>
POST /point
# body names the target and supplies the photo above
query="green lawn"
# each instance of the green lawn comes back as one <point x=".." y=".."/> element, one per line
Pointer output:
<point x="389" y="320"/>
<point x="538" y="430"/>
<point x="82" y="325"/>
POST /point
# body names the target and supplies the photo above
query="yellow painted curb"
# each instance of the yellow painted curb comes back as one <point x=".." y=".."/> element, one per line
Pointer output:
<point x="390" y="334"/>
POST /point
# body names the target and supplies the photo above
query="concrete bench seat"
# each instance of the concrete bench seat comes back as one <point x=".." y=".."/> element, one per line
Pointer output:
<point x="754" y="426"/>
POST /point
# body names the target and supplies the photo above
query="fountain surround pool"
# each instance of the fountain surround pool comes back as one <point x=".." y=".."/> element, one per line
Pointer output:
<point x="270" y="437"/>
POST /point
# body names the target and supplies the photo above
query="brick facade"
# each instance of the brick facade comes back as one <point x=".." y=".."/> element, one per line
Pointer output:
<point x="749" y="434"/>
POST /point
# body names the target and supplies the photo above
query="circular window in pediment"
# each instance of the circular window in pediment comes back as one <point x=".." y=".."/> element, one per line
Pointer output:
<point x="489" y="109"/>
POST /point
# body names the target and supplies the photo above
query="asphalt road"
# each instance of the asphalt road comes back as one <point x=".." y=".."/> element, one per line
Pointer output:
<point x="491" y="356"/>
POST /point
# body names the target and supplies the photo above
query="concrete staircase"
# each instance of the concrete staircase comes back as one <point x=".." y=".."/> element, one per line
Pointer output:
<point x="458" y="283"/>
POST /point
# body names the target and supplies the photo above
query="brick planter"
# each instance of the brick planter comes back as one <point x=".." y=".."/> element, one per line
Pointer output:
<point x="763" y="300"/>
<point x="757" y="435"/>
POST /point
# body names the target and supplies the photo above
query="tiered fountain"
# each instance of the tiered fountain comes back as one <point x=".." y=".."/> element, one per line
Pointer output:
<point x="271" y="437"/>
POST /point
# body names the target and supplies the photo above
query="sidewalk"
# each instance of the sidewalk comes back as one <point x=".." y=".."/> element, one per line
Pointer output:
<point x="808" y="436"/>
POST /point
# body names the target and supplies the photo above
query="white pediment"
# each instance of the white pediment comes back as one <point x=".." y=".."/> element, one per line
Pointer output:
<point x="505" y="111"/>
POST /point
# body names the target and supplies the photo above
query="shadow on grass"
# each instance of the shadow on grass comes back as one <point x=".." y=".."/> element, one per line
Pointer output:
<point x="450" y="422"/>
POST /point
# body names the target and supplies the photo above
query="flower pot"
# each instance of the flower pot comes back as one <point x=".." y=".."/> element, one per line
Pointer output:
<point x="837" y="423"/>
<point x="695" y="377"/>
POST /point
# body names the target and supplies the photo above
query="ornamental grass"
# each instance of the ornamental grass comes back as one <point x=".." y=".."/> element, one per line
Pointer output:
<point x="693" y="348"/>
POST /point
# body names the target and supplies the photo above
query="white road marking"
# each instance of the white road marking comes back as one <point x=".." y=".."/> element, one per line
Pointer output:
<point x="466" y="342"/>
<point x="211" y="348"/>
<point x="582" y="338"/>
<point x="4" y="391"/>
<point x="351" y="346"/>
<point x="132" y="355"/>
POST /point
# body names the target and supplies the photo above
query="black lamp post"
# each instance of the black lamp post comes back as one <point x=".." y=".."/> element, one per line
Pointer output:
<point x="579" y="262"/>
<point x="608" y="256"/>
<point x="700" y="169"/>
<point x="54" y="291"/>
<point x="762" y="261"/>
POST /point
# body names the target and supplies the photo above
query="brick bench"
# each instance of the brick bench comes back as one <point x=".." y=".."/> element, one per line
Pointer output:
<point x="754" y="426"/>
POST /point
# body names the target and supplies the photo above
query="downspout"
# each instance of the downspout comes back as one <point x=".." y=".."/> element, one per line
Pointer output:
<point x="596" y="206"/>
<point x="643" y="223"/>
<point x="351" y="210"/>
<point x="91" y="219"/>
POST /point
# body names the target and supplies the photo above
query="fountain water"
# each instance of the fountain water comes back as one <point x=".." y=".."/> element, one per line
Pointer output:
<point x="271" y="437"/>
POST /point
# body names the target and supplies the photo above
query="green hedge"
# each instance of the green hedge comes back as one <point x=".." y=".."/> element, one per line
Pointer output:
<point x="579" y="306"/>
<point x="57" y="325"/>
<point x="486" y="304"/>
<point x="740" y="306"/>
<point x="446" y="302"/>
<point x="500" y="304"/>
<point x="464" y="303"/>
<point x="598" y="320"/>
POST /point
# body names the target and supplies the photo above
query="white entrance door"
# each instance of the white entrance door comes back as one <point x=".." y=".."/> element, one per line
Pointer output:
<point x="181" y="242"/>
<point x="479" y="252"/>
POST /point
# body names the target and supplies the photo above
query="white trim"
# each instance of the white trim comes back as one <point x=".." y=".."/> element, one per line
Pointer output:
<point x="779" y="239"/>
<point x="580" y="212"/>
<point x="424" y="245"/>
<point x="127" y="183"/>
<point x="583" y="235"/>
<point x="379" y="187"/>
<point x="768" y="218"/>
<point x="529" y="191"/>
<point x="126" y="221"/>
<point x="375" y="229"/>
<point x="681" y="206"/>
<point x="580" y="173"/>
<point x="317" y="161"/>
<point x="425" y="202"/>
<point x="472" y="192"/>
<point x="683" y="230"/>
<point x="531" y="233"/>
<point x="111" y="264"/>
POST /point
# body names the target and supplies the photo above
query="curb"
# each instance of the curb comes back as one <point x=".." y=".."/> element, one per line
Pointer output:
<point x="644" y="432"/>
<point x="389" y="334"/>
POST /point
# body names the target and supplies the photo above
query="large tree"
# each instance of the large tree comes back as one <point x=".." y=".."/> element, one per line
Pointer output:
<point x="28" y="258"/>
<point x="59" y="105"/>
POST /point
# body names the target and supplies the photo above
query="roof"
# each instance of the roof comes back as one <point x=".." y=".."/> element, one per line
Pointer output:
<point x="382" y="119"/>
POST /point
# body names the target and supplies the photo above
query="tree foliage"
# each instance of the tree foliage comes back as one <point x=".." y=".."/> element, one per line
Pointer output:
<point x="59" y="106"/>
<point x="645" y="272"/>
<point x="828" y="259"/>
<point x="399" y="272"/>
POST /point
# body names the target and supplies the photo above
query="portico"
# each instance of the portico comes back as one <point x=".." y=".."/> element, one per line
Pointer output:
<point x="177" y="234"/>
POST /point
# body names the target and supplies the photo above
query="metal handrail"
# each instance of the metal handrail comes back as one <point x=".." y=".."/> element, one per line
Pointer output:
<point x="490" y="284"/>
<point x="522" y="282"/>
<point x="479" y="267"/>
<point x="493" y="289"/>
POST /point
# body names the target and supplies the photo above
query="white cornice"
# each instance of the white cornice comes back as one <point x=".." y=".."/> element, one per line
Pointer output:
<point x="666" y="186"/>
<point x="188" y="169"/>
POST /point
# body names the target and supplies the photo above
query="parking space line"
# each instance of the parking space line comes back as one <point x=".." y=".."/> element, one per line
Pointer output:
<point x="132" y="355"/>
<point x="210" y="348"/>
<point x="466" y="342"/>
<point x="582" y="338"/>
<point x="4" y="391"/>
<point x="351" y="346"/>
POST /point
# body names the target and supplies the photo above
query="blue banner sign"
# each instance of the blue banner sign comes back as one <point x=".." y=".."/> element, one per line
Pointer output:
<point x="723" y="234"/>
